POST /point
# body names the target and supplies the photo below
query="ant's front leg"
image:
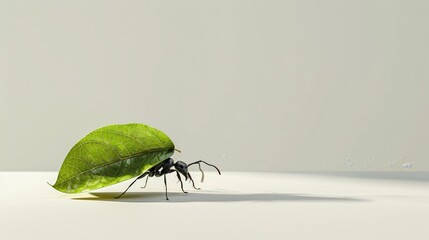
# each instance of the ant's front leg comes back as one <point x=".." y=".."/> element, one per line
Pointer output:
<point x="180" y="179"/>
<point x="192" y="180"/>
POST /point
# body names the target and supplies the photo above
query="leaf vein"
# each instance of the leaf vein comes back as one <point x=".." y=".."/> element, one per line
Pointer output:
<point x="107" y="164"/>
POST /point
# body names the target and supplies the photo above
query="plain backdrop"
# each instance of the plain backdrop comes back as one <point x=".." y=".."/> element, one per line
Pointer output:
<point x="248" y="85"/>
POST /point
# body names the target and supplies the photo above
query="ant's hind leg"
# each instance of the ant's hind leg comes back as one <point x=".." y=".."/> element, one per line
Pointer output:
<point x="141" y="176"/>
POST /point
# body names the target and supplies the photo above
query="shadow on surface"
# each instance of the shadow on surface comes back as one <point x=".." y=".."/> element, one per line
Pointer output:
<point x="394" y="176"/>
<point x="217" y="197"/>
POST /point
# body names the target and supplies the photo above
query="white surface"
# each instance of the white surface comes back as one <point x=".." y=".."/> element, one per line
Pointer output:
<point x="231" y="206"/>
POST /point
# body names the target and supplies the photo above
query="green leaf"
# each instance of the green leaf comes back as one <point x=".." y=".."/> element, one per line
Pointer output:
<point x="112" y="154"/>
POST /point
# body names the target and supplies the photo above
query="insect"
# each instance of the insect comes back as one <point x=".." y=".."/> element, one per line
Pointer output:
<point x="116" y="153"/>
<point x="165" y="167"/>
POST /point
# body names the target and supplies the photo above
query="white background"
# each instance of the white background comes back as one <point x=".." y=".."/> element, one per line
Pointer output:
<point x="248" y="85"/>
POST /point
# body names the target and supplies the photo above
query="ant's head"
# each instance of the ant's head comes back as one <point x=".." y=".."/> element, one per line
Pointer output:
<point x="182" y="168"/>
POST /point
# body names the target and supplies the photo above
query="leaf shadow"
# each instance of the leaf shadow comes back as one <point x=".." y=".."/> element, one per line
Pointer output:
<point x="151" y="197"/>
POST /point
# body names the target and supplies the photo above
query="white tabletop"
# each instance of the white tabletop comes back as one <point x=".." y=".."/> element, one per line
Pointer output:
<point x="232" y="206"/>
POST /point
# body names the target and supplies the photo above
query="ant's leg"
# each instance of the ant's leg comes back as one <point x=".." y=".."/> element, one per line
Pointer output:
<point x="192" y="180"/>
<point x="141" y="176"/>
<point x="146" y="181"/>
<point x="180" y="179"/>
<point x="165" y="182"/>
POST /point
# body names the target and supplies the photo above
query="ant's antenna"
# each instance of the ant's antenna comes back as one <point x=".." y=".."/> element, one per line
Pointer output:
<point x="199" y="166"/>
